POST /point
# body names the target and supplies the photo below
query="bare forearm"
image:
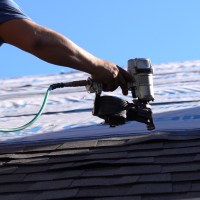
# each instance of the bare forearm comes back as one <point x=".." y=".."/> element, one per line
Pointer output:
<point x="54" y="48"/>
<point x="57" y="49"/>
<point x="48" y="45"/>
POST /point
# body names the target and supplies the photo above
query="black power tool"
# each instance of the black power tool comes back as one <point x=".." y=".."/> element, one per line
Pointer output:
<point x="116" y="111"/>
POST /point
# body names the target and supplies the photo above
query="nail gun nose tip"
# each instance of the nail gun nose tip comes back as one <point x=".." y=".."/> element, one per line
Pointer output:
<point x="150" y="127"/>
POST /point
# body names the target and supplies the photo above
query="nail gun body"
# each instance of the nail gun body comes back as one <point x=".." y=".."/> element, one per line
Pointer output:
<point x="116" y="111"/>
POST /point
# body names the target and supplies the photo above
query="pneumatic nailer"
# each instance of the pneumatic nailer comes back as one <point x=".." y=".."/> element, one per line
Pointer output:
<point x="116" y="111"/>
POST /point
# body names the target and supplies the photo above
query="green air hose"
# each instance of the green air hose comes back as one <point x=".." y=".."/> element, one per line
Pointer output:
<point x="52" y="87"/>
<point x="33" y="120"/>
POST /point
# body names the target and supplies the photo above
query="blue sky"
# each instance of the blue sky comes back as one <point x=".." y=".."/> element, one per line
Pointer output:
<point x="114" y="30"/>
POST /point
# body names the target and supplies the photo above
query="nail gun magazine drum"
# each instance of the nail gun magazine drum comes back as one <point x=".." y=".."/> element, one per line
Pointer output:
<point x="116" y="111"/>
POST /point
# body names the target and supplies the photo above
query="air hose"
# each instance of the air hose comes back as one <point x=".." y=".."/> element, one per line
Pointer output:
<point x="51" y="87"/>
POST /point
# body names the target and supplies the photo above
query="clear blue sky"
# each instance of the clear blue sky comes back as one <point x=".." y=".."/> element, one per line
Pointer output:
<point x="114" y="30"/>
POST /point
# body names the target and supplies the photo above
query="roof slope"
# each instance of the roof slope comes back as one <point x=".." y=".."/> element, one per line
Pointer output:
<point x="155" y="166"/>
<point x="67" y="154"/>
<point x="68" y="111"/>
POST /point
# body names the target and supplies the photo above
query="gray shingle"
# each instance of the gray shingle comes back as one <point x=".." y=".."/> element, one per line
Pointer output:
<point x="174" y="159"/>
<point x="178" y="144"/>
<point x="179" y="196"/>
<point x="11" y="178"/>
<point x="107" y="156"/>
<point x="178" y="151"/>
<point x="79" y="144"/>
<point x="29" y="196"/>
<point x="42" y="147"/>
<point x="61" y="166"/>
<point x="186" y="134"/>
<point x="192" y="196"/>
<point x="120" y="198"/>
<point x="184" y="137"/>
<point x="117" y="138"/>
<point x="197" y="157"/>
<point x="126" y="180"/>
<point x="181" y="187"/>
<point x="93" y="182"/>
<point x="151" y="136"/>
<point x="155" y="178"/>
<point x="32" y="161"/>
<point x="152" y="188"/>
<point x="69" y="152"/>
<point x="53" y="175"/>
<point x="7" y="170"/>
<point x="140" y="169"/>
<point x="50" y="185"/>
<point x="42" y="176"/>
<point x="59" y="194"/>
<point x="100" y="172"/>
<point x="9" y="149"/>
<point x="31" y="169"/>
<point x="157" y="145"/>
<point x="105" y="143"/>
<point x="157" y="197"/>
<point x="25" y="156"/>
<point x="5" y="155"/>
<point x="195" y="186"/>
<point x="104" y="192"/>
<point x="189" y="176"/>
<point x="135" y="160"/>
<point x="181" y="167"/>
<point x="14" y="187"/>
<point x="70" y="174"/>
<point x="64" y="159"/>
<point x="96" y="162"/>
<point x="148" y="153"/>
<point x="111" y="149"/>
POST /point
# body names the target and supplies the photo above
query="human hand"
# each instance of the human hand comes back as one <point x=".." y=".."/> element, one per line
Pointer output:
<point x="112" y="76"/>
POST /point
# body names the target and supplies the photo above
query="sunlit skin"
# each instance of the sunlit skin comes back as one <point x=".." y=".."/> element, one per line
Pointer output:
<point x="55" y="48"/>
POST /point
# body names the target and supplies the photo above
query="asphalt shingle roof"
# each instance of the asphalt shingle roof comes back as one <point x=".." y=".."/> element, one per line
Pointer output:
<point x="155" y="166"/>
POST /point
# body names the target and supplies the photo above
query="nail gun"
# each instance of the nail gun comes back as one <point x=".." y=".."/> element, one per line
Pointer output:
<point x="116" y="111"/>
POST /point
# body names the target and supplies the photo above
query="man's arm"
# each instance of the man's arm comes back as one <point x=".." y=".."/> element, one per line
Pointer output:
<point x="54" y="48"/>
